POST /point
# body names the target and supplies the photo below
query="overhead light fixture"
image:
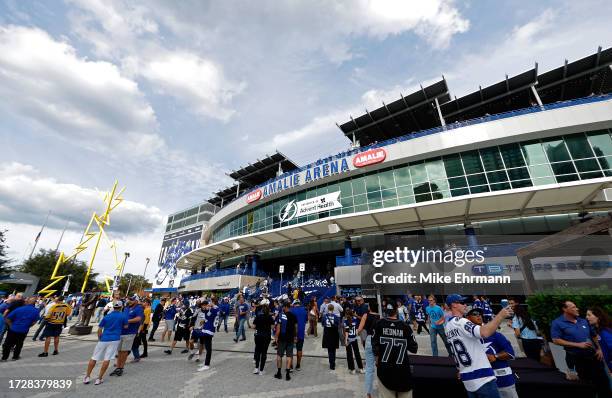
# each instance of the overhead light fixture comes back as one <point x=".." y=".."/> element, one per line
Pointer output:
<point x="333" y="228"/>
<point x="235" y="245"/>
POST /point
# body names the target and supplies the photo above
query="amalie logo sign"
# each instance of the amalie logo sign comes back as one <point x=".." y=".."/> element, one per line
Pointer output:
<point x="370" y="157"/>
<point x="254" y="196"/>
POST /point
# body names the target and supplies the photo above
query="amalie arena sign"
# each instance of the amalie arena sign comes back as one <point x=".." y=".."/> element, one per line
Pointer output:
<point x="335" y="166"/>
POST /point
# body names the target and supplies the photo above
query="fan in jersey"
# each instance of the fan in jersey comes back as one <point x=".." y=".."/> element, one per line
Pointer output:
<point x="197" y="331"/>
<point x="465" y="341"/>
<point x="421" y="320"/>
<point x="499" y="352"/>
<point x="55" y="318"/>
<point x="487" y="312"/>
<point x="392" y="339"/>
<point x="351" y="323"/>
<point x="182" y="319"/>
<point x="331" y="335"/>
<point x="211" y="312"/>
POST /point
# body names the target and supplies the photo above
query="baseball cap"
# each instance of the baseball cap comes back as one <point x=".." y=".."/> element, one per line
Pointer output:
<point x="264" y="302"/>
<point x="117" y="304"/>
<point x="475" y="311"/>
<point x="455" y="298"/>
<point x="134" y="297"/>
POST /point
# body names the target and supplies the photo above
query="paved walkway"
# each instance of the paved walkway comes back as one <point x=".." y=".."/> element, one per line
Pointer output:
<point x="173" y="376"/>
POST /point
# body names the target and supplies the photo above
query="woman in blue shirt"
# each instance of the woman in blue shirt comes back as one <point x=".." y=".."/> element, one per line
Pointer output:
<point x="602" y="324"/>
<point x="525" y="329"/>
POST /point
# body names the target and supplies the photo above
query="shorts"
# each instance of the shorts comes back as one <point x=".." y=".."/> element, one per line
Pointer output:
<point x="125" y="344"/>
<point x="170" y="324"/>
<point x="299" y="345"/>
<point x="181" y="334"/>
<point x="197" y="336"/>
<point x="52" y="330"/>
<point x="105" y="350"/>
<point x="284" y="347"/>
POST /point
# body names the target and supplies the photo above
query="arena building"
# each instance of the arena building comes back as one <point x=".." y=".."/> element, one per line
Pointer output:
<point x="530" y="155"/>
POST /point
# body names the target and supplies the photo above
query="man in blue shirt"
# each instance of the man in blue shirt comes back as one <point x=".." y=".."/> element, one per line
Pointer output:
<point x="169" y="315"/>
<point x="242" y="311"/>
<point x="18" y="323"/>
<point x="582" y="351"/>
<point x="224" y="311"/>
<point x="135" y="316"/>
<point x="302" y="317"/>
<point x="499" y="352"/>
<point x="436" y="319"/>
<point x="109" y="336"/>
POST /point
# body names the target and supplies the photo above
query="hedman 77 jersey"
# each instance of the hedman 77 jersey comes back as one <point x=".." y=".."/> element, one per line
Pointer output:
<point x="469" y="353"/>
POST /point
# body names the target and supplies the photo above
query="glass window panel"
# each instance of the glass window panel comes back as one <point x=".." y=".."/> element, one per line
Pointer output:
<point x="500" y="187"/>
<point x="422" y="188"/>
<point x="542" y="170"/>
<point x="322" y="190"/>
<point x="520" y="173"/>
<point x="435" y="169"/>
<point x="374" y="196"/>
<point x="459" y="182"/>
<point x="372" y="183"/>
<point x="460" y="192"/>
<point x="497" y="176"/>
<point x="601" y="143"/>
<point x="533" y="153"/>
<point x="361" y="208"/>
<point x="479" y="189"/>
<point x="406" y="200"/>
<point x="521" y="183"/>
<point x="386" y="179"/>
<point x="441" y="194"/>
<point x="405" y="191"/>
<point x="418" y="173"/>
<point x="556" y="150"/>
<point x="605" y="162"/>
<point x="452" y="165"/>
<point x="491" y="159"/>
<point x="578" y="146"/>
<point x="335" y="212"/>
<point x="471" y="162"/>
<point x="591" y="174"/>
<point x="512" y="155"/>
<point x="567" y="178"/>
<point x="402" y="176"/>
<point x="439" y="185"/>
<point x="390" y="202"/>
<point x="359" y="200"/>
<point x="563" y="168"/>
<point x="345" y="188"/>
<point x="358" y="186"/>
<point x="423" y="197"/>
<point x="311" y="193"/>
<point x="587" y="165"/>
<point x="476" y="179"/>
<point x="348" y="201"/>
<point x="348" y="210"/>
<point x="375" y="205"/>
<point x="389" y="193"/>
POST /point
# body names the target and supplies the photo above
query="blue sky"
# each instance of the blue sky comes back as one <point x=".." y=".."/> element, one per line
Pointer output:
<point x="167" y="98"/>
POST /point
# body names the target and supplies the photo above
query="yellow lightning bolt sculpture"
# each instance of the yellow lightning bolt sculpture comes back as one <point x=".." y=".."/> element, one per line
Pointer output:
<point x="112" y="199"/>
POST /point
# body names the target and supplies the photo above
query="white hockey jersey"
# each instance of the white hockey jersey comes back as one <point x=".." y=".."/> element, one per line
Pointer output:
<point x="469" y="353"/>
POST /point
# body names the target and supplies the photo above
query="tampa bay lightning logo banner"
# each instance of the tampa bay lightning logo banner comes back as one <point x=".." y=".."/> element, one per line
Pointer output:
<point x="174" y="246"/>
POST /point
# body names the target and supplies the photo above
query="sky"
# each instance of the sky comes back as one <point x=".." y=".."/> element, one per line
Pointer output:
<point x="169" y="97"/>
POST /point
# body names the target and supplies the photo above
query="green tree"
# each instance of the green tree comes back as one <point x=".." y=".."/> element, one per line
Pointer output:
<point x="138" y="283"/>
<point x="4" y="260"/>
<point x="42" y="265"/>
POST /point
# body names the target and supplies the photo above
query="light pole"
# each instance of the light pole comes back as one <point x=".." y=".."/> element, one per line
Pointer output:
<point x="129" y="284"/>
<point x="118" y="277"/>
<point x="144" y="273"/>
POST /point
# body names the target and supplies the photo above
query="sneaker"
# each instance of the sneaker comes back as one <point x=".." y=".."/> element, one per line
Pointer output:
<point x="235" y="340"/>
<point x="55" y="352"/>
<point x="151" y="339"/>
<point x="197" y="359"/>
<point x="114" y="372"/>
<point x="362" y="370"/>
<point x="168" y="352"/>
<point x="135" y="360"/>
<point x="119" y="372"/>
<point x="184" y="351"/>
<point x="256" y="371"/>
<point x="86" y="380"/>
<point x="297" y="367"/>
<point x="16" y="358"/>
<point x="261" y="373"/>
<point x="203" y="368"/>
<point x="98" y="382"/>
<point x="242" y="339"/>
<point x="278" y="375"/>
<point x="353" y="372"/>
<point x="190" y="357"/>
<point x="287" y="376"/>
<point x="43" y="354"/>
<point x="144" y="356"/>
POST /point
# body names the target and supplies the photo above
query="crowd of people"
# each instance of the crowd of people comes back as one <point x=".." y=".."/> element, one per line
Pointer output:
<point x="470" y="334"/>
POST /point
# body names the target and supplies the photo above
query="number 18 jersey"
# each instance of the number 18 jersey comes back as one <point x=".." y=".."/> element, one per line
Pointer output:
<point x="469" y="353"/>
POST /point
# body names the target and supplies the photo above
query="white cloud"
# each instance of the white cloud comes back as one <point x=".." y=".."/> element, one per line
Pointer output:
<point x="197" y="81"/>
<point x="79" y="100"/>
<point x="26" y="196"/>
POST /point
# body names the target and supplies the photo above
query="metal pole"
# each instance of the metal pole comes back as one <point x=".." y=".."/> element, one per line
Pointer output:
<point x="39" y="234"/>
<point x="129" y="284"/>
<point x="144" y="273"/>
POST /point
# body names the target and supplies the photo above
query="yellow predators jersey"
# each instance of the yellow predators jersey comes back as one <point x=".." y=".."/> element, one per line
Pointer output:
<point x="58" y="313"/>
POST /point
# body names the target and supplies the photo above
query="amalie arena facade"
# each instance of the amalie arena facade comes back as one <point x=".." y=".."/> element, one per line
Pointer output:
<point x="530" y="156"/>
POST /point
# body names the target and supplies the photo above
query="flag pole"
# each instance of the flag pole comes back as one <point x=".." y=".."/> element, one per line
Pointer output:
<point x="38" y="236"/>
